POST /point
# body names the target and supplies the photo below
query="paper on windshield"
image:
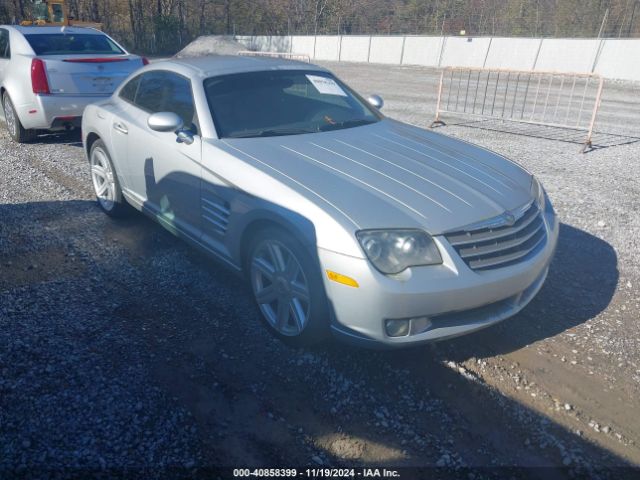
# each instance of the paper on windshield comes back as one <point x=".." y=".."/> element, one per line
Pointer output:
<point x="326" y="86"/>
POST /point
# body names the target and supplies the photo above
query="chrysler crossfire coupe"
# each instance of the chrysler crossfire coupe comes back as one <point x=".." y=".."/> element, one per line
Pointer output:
<point x="341" y="220"/>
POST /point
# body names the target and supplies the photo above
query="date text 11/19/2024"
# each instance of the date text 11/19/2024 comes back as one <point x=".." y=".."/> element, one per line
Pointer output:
<point x="315" y="473"/>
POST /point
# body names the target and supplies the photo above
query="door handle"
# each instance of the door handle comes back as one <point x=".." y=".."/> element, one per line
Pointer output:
<point x="120" y="128"/>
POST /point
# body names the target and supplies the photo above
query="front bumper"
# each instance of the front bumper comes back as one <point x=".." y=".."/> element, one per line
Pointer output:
<point x="456" y="299"/>
<point x="47" y="112"/>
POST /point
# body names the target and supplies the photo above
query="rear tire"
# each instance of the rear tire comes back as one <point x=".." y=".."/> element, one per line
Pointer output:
<point x="14" y="126"/>
<point x="287" y="287"/>
<point x="105" y="182"/>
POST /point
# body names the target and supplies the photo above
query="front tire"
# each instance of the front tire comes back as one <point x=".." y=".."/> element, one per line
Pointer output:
<point x="14" y="126"/>
<point x="287" y="287"/>
<point x="105" y="182"/>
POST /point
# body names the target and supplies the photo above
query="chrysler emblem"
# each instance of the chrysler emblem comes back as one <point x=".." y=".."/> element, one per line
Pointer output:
<point x="509" y="218"/>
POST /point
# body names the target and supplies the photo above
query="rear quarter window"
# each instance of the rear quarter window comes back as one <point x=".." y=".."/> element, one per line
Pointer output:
<point x="72" y="44"/>
<point x="129" y="91"/>
<point x="5" y="51"/>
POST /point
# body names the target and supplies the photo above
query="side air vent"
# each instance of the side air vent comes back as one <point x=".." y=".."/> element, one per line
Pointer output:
<point x="215" y="214"/>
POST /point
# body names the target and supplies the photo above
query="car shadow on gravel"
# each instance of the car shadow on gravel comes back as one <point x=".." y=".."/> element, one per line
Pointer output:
<point x="46" y="137"/>
<point x="72" y="138"/>
<point x="600" y="140"/>
<point x="195" y="339"/>
<point x="581" y="284"/>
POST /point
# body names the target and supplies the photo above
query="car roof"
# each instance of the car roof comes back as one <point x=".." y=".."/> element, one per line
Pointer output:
<point x="31" y="30"/>
<point x="214" y="65"/>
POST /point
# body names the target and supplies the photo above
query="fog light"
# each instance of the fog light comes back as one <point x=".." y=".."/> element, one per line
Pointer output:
<point x="420" y="324"/>
<point x="397" y="328"/>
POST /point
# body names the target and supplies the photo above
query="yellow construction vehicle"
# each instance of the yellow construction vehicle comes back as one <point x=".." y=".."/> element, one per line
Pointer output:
<point x="53" y="13"/>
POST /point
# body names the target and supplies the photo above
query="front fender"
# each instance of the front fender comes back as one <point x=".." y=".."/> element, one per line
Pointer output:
<point x="262" y="214"/>
<point x="256" y="194"/>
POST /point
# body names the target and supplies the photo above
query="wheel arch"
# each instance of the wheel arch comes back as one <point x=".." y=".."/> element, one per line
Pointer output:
<point x="3" y="90"/>
<point x="92" y="138"/>
<point x="298" y="226"/>
<point x="15" y="89"/>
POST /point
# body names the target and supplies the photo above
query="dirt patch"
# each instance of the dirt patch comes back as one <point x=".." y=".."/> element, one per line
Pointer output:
<point x="211" y="45"/>
<point x="26" y="268"/>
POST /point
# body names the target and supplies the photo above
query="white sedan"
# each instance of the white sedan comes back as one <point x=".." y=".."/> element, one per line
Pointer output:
<point x="48" y="75"/>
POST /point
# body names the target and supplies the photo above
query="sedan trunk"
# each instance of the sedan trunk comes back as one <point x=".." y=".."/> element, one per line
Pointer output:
<point x="88" y="75"/>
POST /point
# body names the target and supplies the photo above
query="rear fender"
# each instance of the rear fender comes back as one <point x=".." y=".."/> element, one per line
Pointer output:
<point x="17" y="84"/>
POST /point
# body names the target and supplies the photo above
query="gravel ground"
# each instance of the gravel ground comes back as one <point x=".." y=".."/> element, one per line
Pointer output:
<point x="123" y="348"/>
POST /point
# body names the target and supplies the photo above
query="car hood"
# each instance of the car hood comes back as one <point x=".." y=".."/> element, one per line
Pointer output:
<point x="392" y="175"/>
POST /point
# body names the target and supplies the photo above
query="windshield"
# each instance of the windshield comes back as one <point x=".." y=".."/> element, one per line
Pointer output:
<point x="70" y="44"/>
<point x="283" y="102"/>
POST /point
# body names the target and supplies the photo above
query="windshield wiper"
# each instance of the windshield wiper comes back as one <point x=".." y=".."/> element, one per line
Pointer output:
<point x="273" y="133"/>
<point x="346" y="124"/>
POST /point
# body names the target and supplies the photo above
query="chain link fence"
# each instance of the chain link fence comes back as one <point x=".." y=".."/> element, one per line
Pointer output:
<point x="473" y="25"/>
<point x="165" y="27"/>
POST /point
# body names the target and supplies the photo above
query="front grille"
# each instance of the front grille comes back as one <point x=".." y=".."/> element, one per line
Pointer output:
<point x="487" y="248"/>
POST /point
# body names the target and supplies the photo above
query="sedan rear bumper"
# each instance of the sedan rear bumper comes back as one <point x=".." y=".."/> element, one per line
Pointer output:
<point x="49" y="112"/>
<point x="449" y="299"/>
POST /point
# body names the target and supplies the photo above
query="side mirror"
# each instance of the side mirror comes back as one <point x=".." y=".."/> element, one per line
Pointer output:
<point x="376" y="101"/>
<point x="165" y="122"/>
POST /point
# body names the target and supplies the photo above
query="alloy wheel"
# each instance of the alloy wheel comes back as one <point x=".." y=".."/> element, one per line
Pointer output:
<point x="10" y="116"/>
<point x="103" y="179"/>
<point x="280" y="287"/>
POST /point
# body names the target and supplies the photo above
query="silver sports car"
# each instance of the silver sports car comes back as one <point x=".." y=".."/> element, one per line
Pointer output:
<point x="342" y="220"/>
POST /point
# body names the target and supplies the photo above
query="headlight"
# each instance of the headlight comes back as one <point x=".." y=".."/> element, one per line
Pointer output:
<point x="393" y="251"/>
<point x="538" y="193"/>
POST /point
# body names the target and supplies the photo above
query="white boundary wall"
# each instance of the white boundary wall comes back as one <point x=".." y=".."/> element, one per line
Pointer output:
<point x="619" y="58"/>
<point x="386" y="50"/>
<point x="567" y="55"/>
<point x="464" y="52"/>
<point x="355" y="49"/>
<point x="513" y="53"/>
<point x="422" y="51"/>
<point x="327" y="48"/>
<point x="612" y="58"/>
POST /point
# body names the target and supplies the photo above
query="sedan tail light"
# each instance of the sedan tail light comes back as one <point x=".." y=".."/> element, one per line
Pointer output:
<point x="39" y="81"/>
<point x="145" y="61"/>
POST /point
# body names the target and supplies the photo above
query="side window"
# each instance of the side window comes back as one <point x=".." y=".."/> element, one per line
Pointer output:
<point x="5" y="51"/>
<point x="180" y="100"/>
<point x="151" y="92"/>
<point x="129" y="91"/>
<point x="161" y="91"/>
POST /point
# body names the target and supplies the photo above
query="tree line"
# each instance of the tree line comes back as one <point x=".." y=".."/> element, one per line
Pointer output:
<point x="165" y="26"/>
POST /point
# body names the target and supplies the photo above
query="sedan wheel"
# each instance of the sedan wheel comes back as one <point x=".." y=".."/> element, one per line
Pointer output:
<point x="288" y="288"/>
<point x="14" y="127"/>
<point x="10" y="117"/>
